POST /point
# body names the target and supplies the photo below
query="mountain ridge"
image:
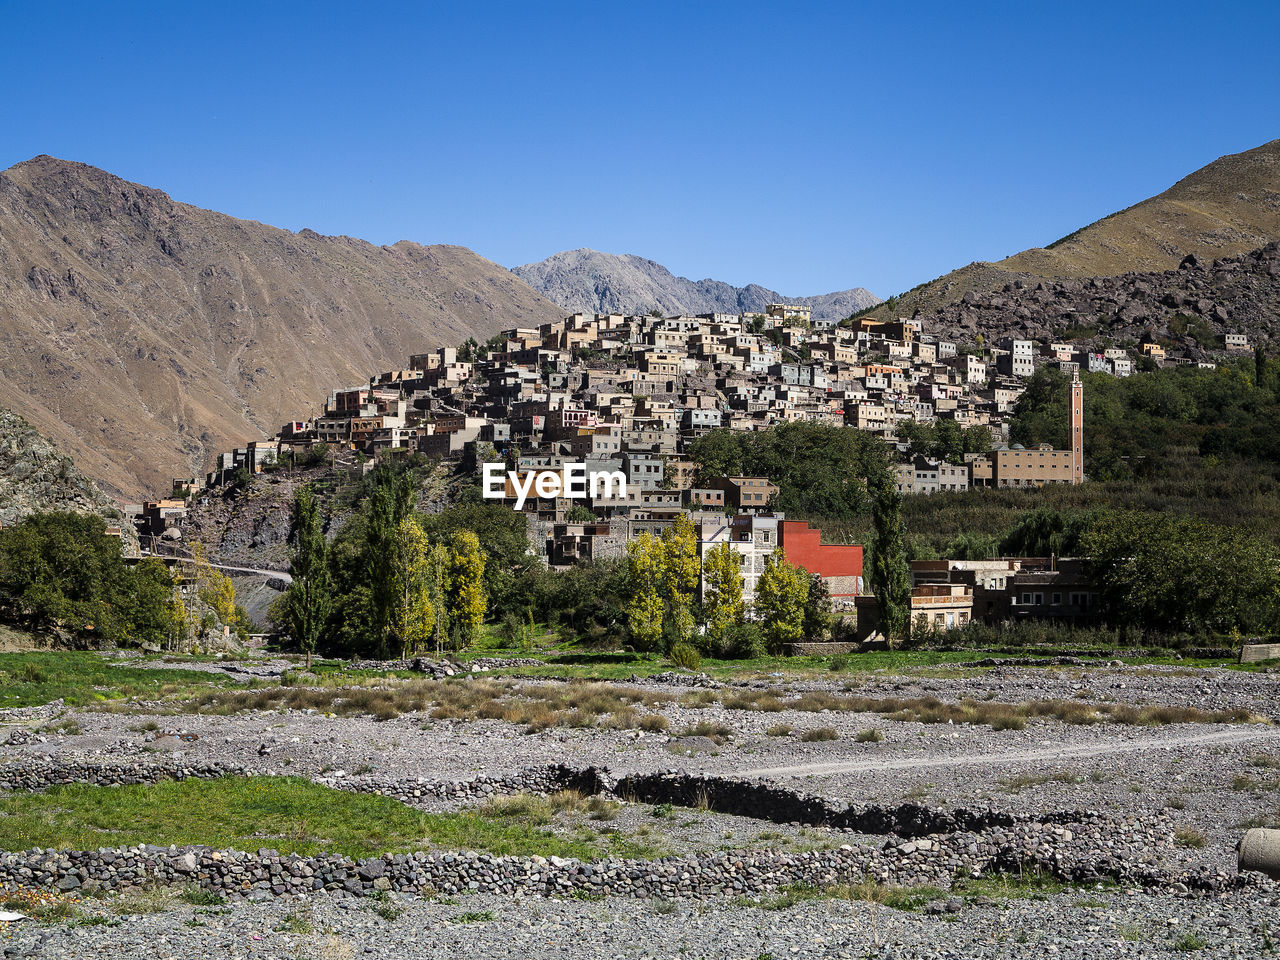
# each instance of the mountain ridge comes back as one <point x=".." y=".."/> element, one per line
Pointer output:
<point x="590" y="281"/>
<point x="1227" y="208"/>
<point x="144" y="335"/>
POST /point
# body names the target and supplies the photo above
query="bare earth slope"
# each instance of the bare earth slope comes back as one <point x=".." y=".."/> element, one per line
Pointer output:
<point x="1230" y="207"/>
<point x="588" y="281"/>
<point x="144" y="335"/>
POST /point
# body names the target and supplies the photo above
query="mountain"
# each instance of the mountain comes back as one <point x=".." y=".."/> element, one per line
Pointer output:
<point x="1189" y="311"/>
<point x="145" y="335"/>
<point x="587" y="281"/>
<point x="35" y="476"/>
<point x="1228" y="208"/>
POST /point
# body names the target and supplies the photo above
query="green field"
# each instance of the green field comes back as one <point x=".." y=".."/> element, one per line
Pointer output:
<point x="287" y="814"/>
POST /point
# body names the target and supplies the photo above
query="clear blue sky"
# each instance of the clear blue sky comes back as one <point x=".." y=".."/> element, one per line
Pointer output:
<point x="805" y="146"/>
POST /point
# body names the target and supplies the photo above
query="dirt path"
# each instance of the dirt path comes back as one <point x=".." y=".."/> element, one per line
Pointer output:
<point x="1052" y="752"/>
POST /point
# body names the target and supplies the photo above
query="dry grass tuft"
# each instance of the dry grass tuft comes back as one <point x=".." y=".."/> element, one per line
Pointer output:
<point x="819" y="734"/>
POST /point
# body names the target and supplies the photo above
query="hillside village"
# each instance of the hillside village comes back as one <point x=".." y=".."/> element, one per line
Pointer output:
<point x="631" y="394"/>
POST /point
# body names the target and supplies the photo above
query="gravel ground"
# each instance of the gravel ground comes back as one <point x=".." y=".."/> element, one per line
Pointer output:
<point x="1214" y="775"/>
<point x="1212" y="778"/>
<point x="1082" y="924"/>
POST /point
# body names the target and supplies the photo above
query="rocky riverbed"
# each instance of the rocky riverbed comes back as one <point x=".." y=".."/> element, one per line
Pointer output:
<point x="736" y="804"/>
<point x="1083" y="924"/>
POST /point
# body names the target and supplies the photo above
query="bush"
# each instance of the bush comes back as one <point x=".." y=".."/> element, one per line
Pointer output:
<point x="653" y="723"/>
<point x="744" y="641"/>
<point x="685" y="655"/>
<point x="869" y="736"/>
<point x="820" y="734"/>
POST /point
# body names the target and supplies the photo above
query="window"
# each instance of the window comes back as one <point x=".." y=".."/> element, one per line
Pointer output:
<point x="1057" y="599"/>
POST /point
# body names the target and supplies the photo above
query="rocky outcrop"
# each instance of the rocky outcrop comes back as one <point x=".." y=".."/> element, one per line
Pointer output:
<point x="588" y="281"/>
<point x="1192" y="307"/>
<point x="35" y="477"/>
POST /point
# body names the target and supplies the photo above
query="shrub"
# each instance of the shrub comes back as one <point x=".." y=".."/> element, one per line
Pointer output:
<point x="869" y="736"/>
<point x="685" y="655"/>
<point x="779" y="730"/>
<point x="821" y="733"/>
<point x="716" y="732"/>
<point x="1189" y="837"/>
<point x="653" y="723"/>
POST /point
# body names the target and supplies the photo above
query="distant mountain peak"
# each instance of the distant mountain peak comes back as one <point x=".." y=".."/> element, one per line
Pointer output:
<point x="588" y="281"/>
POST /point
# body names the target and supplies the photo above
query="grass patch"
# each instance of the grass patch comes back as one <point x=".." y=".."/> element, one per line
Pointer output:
<point x="82" y="679"/>
<point x="888" y="895"/>
<point x="283" y="813"/>
<point x="1015" y="784"/>
<point x="39" y="904"/>
<point x="717" y="733"/>
<point x="1190" y="837"/>
<point x="871" y="735"/>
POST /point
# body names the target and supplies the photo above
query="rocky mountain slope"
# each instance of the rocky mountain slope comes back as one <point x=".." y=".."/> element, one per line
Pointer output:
<point x="588" y="281"/>
<point x="1228" y="208"/>
<point x="1188" y="309"/>
<point x="145" y="335"/>
<point x="35" y="476"/>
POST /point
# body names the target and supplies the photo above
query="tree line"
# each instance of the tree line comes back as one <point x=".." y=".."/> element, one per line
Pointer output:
<point x="63" y="578"/>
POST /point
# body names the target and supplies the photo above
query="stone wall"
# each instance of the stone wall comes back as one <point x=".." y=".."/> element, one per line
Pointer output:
<point x="923" y="846"/>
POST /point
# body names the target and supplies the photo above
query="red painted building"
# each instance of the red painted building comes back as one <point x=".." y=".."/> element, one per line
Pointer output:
<point x="839" y="564"/>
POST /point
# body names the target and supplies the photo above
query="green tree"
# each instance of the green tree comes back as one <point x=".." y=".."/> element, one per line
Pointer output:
<point x="1177" y="573"/>
<point x="645" y="609"/>
<point x="61" y="575"/>
<point x="579" y="514"/>
<point x="890" y="572"/>
<point x="389" y="504"/>
<point x="781" y="592"/>
<point x="466" y="598"/>
<point x="309" y="597"/>
<point x="818" y="615"/>
<point x="680" y="573"/>
<point x="413" y="617"/>
<point x="159" y="615"/>
<point x="722" y="603"/>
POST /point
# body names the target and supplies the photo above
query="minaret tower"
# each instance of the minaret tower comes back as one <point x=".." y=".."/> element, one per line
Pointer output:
<point x="1076" y="424"/>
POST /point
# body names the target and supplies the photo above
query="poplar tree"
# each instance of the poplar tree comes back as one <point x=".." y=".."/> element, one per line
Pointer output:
<point x="309" y="597"/>
<point x="644" y="611"/>
<point x="722" y="596"/>
<point x="781" y="592"/>
<point x="389" y="504"/>
<point x="412" y="618"/>
<point x="679" y="575"/>
<point x="466" y="586"/>
<point x="890" y="571"/>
